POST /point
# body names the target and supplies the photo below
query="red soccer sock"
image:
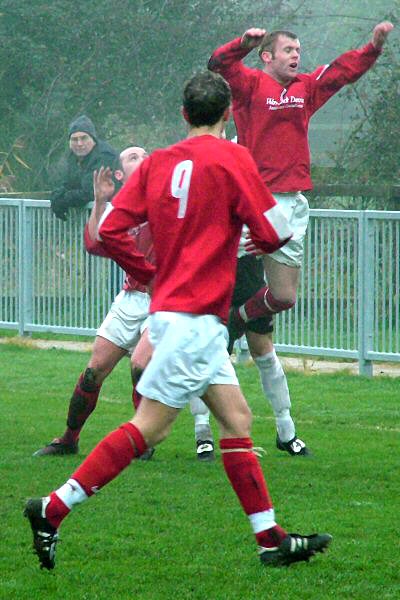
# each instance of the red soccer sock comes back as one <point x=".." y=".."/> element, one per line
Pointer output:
<point x="82" y="404"/>
<point x="247" y="479"/>
<point x="245" y="474"/>
<point x="271" y="538"/>
<point x="261" y="304"/>
<point x="56" y="510"/>
<point x="104" y="463"/>
<point x="110" y="457"/>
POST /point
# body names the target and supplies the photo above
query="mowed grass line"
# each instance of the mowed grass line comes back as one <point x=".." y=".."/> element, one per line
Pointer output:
<point x="172" y="528"/>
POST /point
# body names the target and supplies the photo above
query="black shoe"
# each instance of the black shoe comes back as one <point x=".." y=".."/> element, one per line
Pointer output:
<point x="205" y="450"/>
<point x="236" y="327"/>
<point x="45" y="536"/>
<point x="295" y="447"/>
<point x="147" y="454"/>
<point x="295" y="548"/>
<point x="57" y="448"/>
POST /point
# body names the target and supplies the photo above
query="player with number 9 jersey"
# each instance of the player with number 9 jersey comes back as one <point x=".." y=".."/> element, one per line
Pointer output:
<point x="195" y="195"/>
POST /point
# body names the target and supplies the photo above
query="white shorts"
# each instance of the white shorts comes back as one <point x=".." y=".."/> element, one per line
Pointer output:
<point x="124" y="322"/>
<point x="295" y="208"/>
<point x="190" y="353"/>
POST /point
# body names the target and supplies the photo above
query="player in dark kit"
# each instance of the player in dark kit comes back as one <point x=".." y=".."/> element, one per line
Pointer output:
<point x="195" y="195"/>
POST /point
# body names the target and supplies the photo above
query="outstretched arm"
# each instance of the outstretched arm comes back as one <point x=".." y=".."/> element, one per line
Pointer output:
<point x="347" y="68"/>
<point x="227" y="60"/>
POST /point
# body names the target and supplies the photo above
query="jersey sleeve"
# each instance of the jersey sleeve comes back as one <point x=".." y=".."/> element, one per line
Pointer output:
<point x="325" y="81"/>
<point x="93" y="246"/>
<point x="227" y="61"/>
<point x="127" y="211"/>
<point x="258" y="209"/>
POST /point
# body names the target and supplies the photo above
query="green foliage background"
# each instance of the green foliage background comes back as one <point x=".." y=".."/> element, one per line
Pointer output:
<point x="124" y="62"/>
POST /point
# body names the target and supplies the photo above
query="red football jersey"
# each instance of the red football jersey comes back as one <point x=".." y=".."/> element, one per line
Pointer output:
<point x="195" y="195"/>
<point x="144" y="244"/>
<point x="272" y="120"/>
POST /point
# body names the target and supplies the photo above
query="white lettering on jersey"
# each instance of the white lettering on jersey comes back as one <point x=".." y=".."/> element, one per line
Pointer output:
<point x="180" y="184"/>
<point x="279" y="222"/>
<point x="284" y="101"/>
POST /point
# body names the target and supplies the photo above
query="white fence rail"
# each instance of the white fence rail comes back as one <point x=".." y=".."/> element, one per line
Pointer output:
<point x="349" y="295"/>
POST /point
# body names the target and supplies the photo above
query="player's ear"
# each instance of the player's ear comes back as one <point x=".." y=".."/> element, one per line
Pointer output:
<point x="266" y="57"/>
<point x="227" y="114"/>
<point x="118" y="174"/>
<point x="185" y="115"/>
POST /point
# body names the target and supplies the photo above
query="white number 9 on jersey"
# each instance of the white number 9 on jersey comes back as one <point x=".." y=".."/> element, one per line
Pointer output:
<point x="180" y="184"/>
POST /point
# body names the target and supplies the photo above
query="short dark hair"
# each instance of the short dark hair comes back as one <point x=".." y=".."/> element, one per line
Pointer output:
<point x="205" y="98"/>
<point x="269" y="40"/>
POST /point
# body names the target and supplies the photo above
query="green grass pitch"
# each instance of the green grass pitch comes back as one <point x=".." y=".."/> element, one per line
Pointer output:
<point x="172" y="529"/>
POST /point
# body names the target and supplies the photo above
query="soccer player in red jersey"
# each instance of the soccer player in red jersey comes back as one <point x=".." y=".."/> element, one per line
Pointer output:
<point x="121" y="329"/>
<point x="272" y="108"/>
<point x="195" y="195"/>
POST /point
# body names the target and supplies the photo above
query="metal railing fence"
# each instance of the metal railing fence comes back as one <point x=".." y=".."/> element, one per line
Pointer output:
<point x="348" y="301"/>
<point x="48" y="282"/>
<point x="349" y="295"/>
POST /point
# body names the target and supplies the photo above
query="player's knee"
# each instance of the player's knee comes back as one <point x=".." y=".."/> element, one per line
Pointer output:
<point x="281" y="300"/>
<point x="152" y="432"/>
<point x="238" y="425"/>
<point x="286" y="299"/>
<point x="142" y="353"/>
<point x="139" y="362"/>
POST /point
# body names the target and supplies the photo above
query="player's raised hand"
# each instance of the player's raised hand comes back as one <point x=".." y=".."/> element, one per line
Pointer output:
<point x="103" y="185"/>
<point x="252" y="37"/>
<point x="380" y="33"/>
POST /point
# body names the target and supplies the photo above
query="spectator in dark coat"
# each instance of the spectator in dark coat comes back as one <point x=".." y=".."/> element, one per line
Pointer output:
<point x="87" y="153"/>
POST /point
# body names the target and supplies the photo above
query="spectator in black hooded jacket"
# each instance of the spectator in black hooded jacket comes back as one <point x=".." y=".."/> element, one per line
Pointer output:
<point x="87" y="153"/>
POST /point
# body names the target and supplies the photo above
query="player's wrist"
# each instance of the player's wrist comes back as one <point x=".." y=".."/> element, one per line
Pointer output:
<point x="247" y="43"/>
<point x="102" y="199"/>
